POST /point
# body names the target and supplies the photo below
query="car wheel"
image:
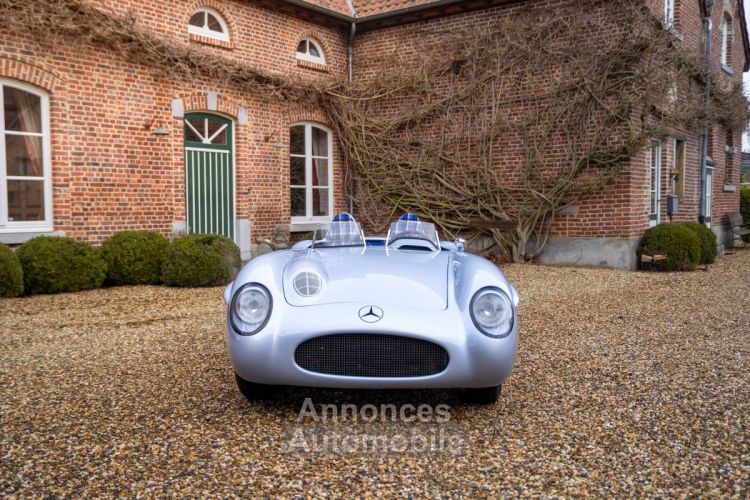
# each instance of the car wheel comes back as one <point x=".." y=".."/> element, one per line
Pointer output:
<point x="253" y="391"/>
<point x="483" y="396"/>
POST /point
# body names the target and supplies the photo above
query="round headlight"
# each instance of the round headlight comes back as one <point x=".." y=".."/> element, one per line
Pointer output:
<point x="492" y="312"/>
<point x="251" y="308"/>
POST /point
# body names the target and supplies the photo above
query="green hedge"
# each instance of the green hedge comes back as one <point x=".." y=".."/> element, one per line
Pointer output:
<point x="134" y="257"/>
<point x="745" y="207"/>
<point x="679" y="243"/>
<point x="11" y="275"/>
<point x="56" y="264"/>
<point x="201" y="260"/>
<point x="707" y="241"/>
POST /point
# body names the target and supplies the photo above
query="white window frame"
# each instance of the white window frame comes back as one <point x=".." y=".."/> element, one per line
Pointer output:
<point x="7" y="226"/>
<point x="299" y="219"/>
<point x="654" y="184"/>
<point x="725" y="39"/>
<point x="709" y="196"/>
<point x="309" y="58"/>
<point x="204" y="31"/>
<point x="669" y="7"/>
<point x="682" y="167"/>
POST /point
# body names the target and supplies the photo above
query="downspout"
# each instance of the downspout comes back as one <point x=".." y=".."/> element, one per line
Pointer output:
<point x="708" y="24"/>
<point x="350" y="56"/>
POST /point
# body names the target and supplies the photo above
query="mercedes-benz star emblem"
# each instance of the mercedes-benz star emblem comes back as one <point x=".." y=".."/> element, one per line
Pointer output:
<point x="370" y="314"/>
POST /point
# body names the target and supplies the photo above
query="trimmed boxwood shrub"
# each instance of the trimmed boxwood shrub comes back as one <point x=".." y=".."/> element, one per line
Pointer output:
<point x="745" y="207"/>
<point x="679" y="243"/>
<point x="707" y="240"/>
<point x="134" y="257"/>
<point x="201" y="260"/>
<point x="11" y="275"/>
<point x="55" y="264"/>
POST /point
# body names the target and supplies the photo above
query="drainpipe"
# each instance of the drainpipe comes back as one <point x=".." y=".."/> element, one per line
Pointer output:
<point x="350" y="49"/>
<point x="708" y="25"/>
<point x="350" y="56"/>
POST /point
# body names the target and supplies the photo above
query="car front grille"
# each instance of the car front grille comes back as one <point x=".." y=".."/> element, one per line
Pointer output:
<point x="369" y="355"/>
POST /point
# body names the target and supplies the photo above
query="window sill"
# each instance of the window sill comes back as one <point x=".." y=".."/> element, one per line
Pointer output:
<point x="311" y="65"/>
<point x="677" y="34"/>
<point x="16" y="236"/>
<point x="307" y="226"/>
<point x="726" y="69"/>
<point x="207" y="40"/>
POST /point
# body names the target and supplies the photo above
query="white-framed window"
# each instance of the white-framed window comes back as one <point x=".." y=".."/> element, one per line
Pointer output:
<point x="25" y="160"/>
<point x="678" y="168"/>
<point x="726" y="41"/>
<point x="669" y="14"/>
<point x="654" y="216"/>
<point x="311" y="172"/>
<point x="709" y="196"/>
<point x="309" y="50"/>
<point x="209" y="23"/>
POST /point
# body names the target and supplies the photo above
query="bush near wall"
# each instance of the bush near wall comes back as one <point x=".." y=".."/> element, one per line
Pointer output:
<point x="745" y="208"/>
<point x="134" y="257"/>
<point x="57" y="264"/>
<point x="11" y="275"/>
<point x="201" y="260"/>
<point x="707" y="241"/>
<point x="679" y="243"/>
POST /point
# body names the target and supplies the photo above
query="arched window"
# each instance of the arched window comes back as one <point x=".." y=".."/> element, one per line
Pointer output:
<point x="726" y="41"/>
<point x="25" y="186"/>
<point x="309" y="50"/>
<point x="311" y="172"/>
<point x="209" y="23"/>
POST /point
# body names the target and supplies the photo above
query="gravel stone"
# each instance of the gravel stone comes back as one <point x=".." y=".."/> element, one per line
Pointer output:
<point x="626" y="384"/>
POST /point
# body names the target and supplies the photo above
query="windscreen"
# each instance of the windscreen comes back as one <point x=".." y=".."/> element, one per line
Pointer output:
<point x="345" y="233"/>
<point x="414" y="229"/>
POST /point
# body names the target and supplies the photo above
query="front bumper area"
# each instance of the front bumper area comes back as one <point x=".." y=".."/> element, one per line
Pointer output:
<point x="475" y="360"/>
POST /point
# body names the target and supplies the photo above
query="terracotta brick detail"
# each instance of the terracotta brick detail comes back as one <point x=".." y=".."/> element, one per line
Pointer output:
<point x="199" y="102"/>
<point x="312" y="65"/>
<point x="211" y="41"/>
<point x="307" y="115"/>
<point x="29" y="73"/>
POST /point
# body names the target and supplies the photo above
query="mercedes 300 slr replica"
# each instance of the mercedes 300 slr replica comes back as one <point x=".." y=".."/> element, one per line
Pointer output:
<point x="402" y="311"/>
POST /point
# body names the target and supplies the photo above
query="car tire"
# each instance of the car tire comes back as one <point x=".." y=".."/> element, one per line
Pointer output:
<point x="253" y="391"/>
<point x="483" y="396"/>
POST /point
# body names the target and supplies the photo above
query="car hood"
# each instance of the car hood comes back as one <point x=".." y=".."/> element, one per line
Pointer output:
<point x="371" y="276"/>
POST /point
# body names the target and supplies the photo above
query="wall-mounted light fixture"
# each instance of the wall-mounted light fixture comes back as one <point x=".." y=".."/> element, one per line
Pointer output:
<point x="279" y="144"/>
<point x="160" y="130"/>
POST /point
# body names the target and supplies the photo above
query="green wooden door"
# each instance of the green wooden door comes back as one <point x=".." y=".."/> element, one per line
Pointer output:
<point x="209" y="174"/>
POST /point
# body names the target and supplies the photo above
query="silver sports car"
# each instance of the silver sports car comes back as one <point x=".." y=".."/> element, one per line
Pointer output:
<point x="402" y="311"/>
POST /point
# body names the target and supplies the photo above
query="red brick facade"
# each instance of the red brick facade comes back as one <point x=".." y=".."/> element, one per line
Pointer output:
<point x="110" y="172"/>
<point x="622" y="209"/>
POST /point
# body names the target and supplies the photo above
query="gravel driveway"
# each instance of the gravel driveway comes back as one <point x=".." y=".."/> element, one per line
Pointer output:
<point x="626" y="383"/>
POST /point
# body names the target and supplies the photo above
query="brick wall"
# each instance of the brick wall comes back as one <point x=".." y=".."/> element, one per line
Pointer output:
<point x="110" y="173"/>
<point x="621" y="209"/>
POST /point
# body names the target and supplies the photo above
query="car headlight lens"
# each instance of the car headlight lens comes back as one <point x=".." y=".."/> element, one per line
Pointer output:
<point x="492" y="312"/>
<point x="250" y="309"/>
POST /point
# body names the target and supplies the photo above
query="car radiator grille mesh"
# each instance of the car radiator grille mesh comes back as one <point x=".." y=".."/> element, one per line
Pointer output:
<point x="369" y="355"/>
